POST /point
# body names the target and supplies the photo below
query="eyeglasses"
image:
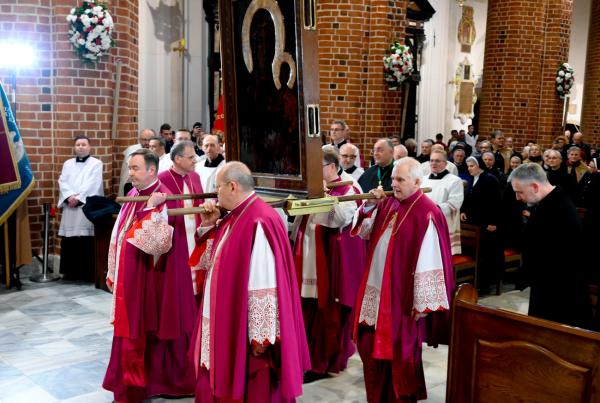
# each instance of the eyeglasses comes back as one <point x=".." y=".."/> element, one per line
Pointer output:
<point x="436" y="161"/>
<point x="352" y="157"/>
<point x="327" y="164"/>
<point x="218" y="186"/>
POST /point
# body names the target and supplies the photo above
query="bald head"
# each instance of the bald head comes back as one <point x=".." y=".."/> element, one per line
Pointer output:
<point x="234" y="184"/>
<point x="145" y="136"/>
<point x="400" y="152"/>
<point x="210" y="146"/>
<point x="348" y="155"/>
<point x="437" y="147"/>
<point x="238" y="172"/>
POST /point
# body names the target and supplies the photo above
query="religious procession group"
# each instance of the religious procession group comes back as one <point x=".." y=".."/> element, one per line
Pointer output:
<point x="237" y="304"/>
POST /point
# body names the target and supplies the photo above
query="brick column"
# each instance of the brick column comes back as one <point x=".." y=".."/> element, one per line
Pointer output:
<point x="60" y="97"/>
<point x="353" y="38"/>
<point x="525" y="44"/>
<point x="590" y="113"/>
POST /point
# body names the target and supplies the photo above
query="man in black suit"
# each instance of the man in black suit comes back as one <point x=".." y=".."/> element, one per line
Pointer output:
<point x="552" y="236"/>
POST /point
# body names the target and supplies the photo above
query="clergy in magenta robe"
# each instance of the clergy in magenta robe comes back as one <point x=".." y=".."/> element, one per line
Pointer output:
<point x="249" y="343"/>
<point x="329" y="265"/>
<point x="181" y="179"/>
<point x="153" y="309"/>
<point x="405" y="294"/>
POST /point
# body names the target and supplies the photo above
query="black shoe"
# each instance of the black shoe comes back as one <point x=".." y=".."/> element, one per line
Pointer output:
<point x="310" y="376"/>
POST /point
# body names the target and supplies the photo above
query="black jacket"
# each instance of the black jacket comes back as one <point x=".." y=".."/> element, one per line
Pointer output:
<point x="482" y="201"/>
<point x="370" y="180"/>
<point x="551" y="263"/>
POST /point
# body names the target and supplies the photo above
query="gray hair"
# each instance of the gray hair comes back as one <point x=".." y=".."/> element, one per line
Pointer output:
<point x="491" y="154"/>
<point x="443" y="153"/>
<point x="401" y="147"/>
<point x="239" y="173"/>
<point x="410" y="143"/>
<point x="347" y="145"/>
<point x="529" y="173"/>
<point x="179" y="148"/>
<point x="161" y="140"/>
<point x="341" y="123"/>
<point x="574" y="148"/>
<point x="331" y="157"/>
<point x="329" y="148"/>
<point x="556" y="153"/>
<point x="414" y="167"/>
<point x="387" y="141"/>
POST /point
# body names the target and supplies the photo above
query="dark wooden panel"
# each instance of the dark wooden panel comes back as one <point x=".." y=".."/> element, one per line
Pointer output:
<point x="500" y="356"/>
<point x="270" y="76"/>
<point x="501" y="366"/>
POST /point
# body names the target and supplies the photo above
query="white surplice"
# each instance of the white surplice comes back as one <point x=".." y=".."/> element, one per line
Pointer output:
<point x="429" y="266"/>
<point x="82" y="179"/>
<point x="208" y="175"/>
<point x="263" y="311"/>
<point x="339" y="217"/>
<point x="448" y="193"/>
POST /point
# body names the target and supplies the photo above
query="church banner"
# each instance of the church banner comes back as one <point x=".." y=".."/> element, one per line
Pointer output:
<point x="16" y="177"/>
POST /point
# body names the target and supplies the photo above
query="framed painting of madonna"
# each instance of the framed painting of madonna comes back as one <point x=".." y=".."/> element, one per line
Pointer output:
<point x="270" y="92"/>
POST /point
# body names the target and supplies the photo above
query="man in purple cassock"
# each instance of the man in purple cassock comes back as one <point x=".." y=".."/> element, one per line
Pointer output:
<point x="405" y="294"/>
<point x="181" y="179"/>
<point x="249" y="343"/>
<point x="153" y="308"/>
<point x="329" y="265"/>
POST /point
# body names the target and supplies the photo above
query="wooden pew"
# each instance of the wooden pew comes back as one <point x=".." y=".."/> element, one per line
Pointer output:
<point x="500" y="356"/>
<point x="466" y="264"/>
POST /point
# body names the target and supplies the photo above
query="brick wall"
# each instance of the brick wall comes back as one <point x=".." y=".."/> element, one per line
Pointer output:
<point x="353" y="38"/>
<point x="525" y="43"/>
<point x="60" y="97"/>
<point x="590" y="114"/>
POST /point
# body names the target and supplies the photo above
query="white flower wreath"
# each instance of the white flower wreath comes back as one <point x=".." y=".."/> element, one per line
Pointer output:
<point x="565" y="77"/>
<point x="398" y="64"/>
<point x="91" y="29"/>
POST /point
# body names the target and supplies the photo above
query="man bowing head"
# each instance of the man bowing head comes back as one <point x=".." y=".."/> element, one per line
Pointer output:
<point x="406" y="287"/>
<point x="249" y="343"/>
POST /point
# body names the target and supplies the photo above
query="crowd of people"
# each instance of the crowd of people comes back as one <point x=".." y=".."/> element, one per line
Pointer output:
<point x="236" y="303"/>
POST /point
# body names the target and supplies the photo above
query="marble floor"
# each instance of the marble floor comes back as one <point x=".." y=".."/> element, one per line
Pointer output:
<point x="55" y="342"/>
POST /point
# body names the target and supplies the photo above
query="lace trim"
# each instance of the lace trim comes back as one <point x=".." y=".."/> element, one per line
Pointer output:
<point x="370" y="306"/>
<point x="112" y="261"/>
<point x="430" y="292"/>
<point x="204" y="263"/>
<point x="205" y="343"/>
<point x="263" y="316"/>
<point x="154" y="235"/>
<point x="366" y="227"/>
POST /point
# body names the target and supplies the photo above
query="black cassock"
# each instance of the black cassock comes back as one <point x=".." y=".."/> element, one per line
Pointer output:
<point x="553" y="264"/>
<point x="372" y="176"/>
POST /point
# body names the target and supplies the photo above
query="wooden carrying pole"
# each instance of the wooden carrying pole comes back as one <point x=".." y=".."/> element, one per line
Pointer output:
<point x="275" y="202"/>
<point x="125" y="199"/>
